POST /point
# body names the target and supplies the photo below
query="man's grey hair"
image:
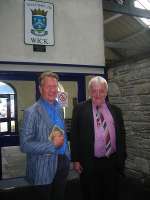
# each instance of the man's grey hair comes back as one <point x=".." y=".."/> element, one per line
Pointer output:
<point x="97" y="80"/>
<point x="47" y="74"/>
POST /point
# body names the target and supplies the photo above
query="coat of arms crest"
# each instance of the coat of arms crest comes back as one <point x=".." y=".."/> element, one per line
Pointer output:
<point x="39" y="22"/>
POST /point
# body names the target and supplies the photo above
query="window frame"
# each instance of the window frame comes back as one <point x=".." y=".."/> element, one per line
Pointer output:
<point x="9" y="119"/>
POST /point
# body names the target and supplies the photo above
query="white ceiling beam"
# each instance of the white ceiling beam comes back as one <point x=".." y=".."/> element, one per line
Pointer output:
<point x="110" y="19"/>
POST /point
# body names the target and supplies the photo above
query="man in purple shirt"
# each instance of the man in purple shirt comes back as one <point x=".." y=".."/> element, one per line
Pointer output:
<point x="98" y="143"/>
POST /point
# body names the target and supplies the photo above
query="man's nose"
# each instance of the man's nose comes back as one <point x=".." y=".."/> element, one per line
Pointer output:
<point x="53" y="89"/>
<point x="99" y="94"/>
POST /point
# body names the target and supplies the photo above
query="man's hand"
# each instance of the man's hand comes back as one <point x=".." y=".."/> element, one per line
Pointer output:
<point x="77" y="167"/>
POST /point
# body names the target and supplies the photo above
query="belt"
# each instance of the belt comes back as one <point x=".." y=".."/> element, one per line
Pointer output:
<point x="113" y="155"/>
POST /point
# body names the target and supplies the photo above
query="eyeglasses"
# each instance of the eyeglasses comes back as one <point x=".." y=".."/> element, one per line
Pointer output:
<point x="98" y="92"/>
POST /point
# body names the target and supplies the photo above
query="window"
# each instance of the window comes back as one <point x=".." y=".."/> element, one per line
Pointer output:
<point x="143" y="4"/>
<point x="8" y="114"/>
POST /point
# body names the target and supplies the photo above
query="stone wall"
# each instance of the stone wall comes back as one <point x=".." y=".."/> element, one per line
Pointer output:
<point x="129" y="88"/>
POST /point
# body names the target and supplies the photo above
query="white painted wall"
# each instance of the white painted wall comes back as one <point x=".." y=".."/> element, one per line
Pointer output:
<point x="78" y="27"/>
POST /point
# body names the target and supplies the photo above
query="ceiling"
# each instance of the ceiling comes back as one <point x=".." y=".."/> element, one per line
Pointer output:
<point x="126" y="37"/>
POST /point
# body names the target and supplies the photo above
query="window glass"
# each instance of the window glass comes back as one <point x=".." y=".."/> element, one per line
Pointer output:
<point x="143" y="4"/>
<point x="3" y="126"/>
<point x="7" y="109"/>
<point x="3" y="107"/>
<point x="5" y="89"/>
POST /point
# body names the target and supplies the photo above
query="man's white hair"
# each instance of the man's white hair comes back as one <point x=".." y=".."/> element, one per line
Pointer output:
<point x="97" y="80"/>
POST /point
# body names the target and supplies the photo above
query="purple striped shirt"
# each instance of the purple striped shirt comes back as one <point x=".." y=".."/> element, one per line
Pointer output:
<point x="99" y="145"/>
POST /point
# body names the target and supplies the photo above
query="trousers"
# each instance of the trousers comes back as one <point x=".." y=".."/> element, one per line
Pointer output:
<point x="101" y="181"/>
<point x="56" y="190"/>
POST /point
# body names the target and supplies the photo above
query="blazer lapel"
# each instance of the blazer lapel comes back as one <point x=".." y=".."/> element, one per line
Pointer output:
<point x="44" y="114"/>
<point x="91" y="119"/>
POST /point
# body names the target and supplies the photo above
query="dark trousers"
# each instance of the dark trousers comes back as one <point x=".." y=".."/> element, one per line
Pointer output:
<point x="56" y="190"/>
<point x="101" y="182"/>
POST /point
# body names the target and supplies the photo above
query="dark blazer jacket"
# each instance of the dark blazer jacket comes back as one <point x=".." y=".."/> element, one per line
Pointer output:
<point x="82" y="135"/>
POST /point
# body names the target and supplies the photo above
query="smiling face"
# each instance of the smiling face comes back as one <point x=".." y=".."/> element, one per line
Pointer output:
<point x="98" y="93"/>
<point x="49" y="88"/>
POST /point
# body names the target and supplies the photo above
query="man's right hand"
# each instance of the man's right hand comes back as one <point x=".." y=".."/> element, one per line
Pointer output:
<point x="77" y="167"/>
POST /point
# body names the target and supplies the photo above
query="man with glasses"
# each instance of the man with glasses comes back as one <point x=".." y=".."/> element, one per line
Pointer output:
<point x="97" y="143"/>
